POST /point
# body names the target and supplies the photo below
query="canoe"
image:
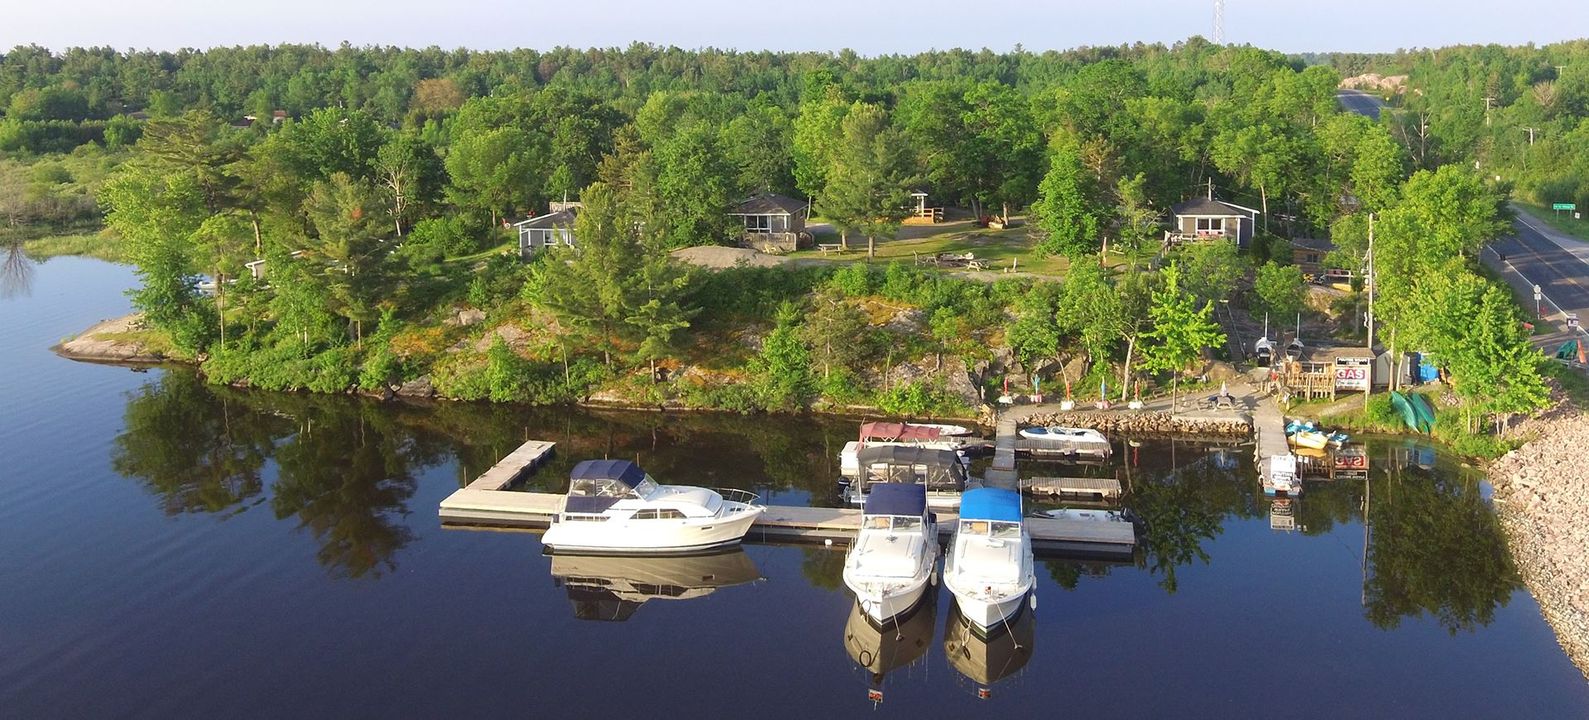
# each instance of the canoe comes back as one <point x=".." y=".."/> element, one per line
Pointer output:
<point x="1424" y="411"/>
<point x="1403" y="406"/>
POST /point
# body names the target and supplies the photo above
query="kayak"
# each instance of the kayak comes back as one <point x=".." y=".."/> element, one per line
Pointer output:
<point x="1424" y="411"/>
<point x="1404" y="406"/>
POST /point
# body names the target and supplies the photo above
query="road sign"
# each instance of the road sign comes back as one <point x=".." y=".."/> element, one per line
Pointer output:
<point x="1564" y="206"/>
<point x="1572" y="320"/>
<point x="1537" y="292"/>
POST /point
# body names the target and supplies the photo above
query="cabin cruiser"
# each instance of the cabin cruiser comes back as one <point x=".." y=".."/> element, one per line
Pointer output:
<point x="987" y="659"/>
<point x="989" y="565"/>
<point x="942" y="472"/>
<point x="880" y="649"/>
<point x="893" y="434"/>
<point x="1077" y="441"/>
<point x="613" y="506"/>
<point x="611" y="588"/>
<point x="891" y="562"/>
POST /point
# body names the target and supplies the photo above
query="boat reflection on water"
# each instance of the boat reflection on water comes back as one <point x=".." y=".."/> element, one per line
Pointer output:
<point x="612" y="588"/>
<point x="900" y="641"/>
<point x="987" y="660"/>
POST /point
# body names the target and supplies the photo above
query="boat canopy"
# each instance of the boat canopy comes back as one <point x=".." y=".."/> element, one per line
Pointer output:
<point x="896" y="499"/>
<point x="990" y="504"/>
<point x="622" y="471"/>
<point x="897" y="432"/>
<point x="937" y="468"/>
<point x="595" y="485"/>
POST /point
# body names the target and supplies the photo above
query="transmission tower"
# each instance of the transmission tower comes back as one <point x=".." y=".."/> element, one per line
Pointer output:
<point x="1219" y="22"/>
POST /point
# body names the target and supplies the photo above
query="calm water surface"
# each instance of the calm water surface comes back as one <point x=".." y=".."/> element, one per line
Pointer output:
<point x="168" y="549"/>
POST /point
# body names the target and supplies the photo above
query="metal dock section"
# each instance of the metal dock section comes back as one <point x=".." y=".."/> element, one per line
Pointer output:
<point x="484" y="502"/>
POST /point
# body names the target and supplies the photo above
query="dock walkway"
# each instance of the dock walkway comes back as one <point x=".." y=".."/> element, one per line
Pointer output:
<point x="485" y="502"/>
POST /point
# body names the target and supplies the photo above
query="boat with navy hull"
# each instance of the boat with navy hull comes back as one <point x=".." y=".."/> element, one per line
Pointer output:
<point x="610" y="588"/>
<point x="613" y="506"/>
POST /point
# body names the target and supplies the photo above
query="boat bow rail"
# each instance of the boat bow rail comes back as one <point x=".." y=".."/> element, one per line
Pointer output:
<point x="740" y="496"/>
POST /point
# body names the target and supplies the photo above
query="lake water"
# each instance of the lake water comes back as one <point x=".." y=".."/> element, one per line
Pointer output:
<point x="168" y="549"/>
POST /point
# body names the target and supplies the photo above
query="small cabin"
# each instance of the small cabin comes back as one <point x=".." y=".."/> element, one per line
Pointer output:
<point x="772" y="222"/>
<point x="1207" y="218"/>
<point x="554" y="229"/>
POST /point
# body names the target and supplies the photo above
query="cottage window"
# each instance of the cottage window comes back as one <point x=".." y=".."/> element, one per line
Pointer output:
<point x="1211" y="226"/>
<point x="566" y="236"/>
<point x="758" y="223"/>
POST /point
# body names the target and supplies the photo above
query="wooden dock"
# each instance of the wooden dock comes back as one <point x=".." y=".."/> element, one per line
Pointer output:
<point x="485" y="503"/>
<point x="1080" y="487"/>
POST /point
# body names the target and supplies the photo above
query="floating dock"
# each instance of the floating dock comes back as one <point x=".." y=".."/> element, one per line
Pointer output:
<point x="486" y="502"/>
<point x="1077" y="487"/>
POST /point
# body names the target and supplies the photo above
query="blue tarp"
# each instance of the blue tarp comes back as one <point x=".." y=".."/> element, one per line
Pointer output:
<point x="622" y="471"/>
<point x="990" y="504"/>
<point x="896" y="499"/>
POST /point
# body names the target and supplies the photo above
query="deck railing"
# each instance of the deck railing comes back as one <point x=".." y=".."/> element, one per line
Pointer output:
<point x="740" y="496"/>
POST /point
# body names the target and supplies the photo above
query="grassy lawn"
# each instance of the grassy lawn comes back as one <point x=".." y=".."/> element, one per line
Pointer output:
<point x="997" y="249"/>
<point x="96" y="245"/>
<point x="1559" y="220"/>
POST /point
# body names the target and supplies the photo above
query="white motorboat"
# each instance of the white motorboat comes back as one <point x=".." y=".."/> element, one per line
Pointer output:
<point x="989" y="565"/>
<point x="945" y="430"/>
<point x="891" y="562"/>
<point x="611" y="588"/>
<point x="1080" y="441"/>
<point x="942" y="472"/>
<point x="613" y="506"/>
<point x="894" y="434"/>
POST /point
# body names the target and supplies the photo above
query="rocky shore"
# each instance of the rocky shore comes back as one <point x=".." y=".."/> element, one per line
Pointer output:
<point x="1542" y="494"/>
<point x="1145" y="422"/>
<point x="111" y="341"/>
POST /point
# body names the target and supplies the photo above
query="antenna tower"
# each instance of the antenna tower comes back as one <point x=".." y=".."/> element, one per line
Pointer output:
<point x="1219" y="22"/>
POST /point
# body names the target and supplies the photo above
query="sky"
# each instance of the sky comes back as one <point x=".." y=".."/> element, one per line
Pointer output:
<point x="870" y="27"/>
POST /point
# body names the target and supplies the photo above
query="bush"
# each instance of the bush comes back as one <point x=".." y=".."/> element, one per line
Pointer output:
<point x="450" y="236"/>
<point x="853" y="280"/>
<point x="918" y="399"/>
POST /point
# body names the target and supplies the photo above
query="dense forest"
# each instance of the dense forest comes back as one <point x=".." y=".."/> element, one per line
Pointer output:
<point x="374" y="183"/>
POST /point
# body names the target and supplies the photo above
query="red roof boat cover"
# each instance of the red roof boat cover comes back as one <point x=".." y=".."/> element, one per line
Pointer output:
<point x="897" y="432"/>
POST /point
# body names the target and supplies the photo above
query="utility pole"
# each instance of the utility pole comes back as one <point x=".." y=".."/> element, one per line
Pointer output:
<point x="1487" y="102"/>
<point x="1368" y="280"/>
<point x="1531" y="132"/>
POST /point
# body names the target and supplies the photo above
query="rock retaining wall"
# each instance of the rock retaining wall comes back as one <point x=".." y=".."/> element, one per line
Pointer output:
<point x="1542" y="494"/>
<point x="1145" y="422"/>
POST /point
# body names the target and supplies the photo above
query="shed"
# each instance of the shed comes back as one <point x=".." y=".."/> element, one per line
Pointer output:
<point x="772" y="222"/>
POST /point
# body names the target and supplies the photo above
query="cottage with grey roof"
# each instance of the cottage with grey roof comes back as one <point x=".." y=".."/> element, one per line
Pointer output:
<point x="773" y="222"/>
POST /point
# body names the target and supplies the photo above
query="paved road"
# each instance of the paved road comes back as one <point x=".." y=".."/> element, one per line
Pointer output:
<point x="1561" y="274"/>
<point x="1359" y="102"/>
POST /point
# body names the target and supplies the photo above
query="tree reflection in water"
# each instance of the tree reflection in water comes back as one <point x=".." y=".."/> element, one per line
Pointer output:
<point x="1434" y="547"/>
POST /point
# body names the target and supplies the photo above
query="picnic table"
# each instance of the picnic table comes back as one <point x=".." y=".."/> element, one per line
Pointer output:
<point x="831" y="247"/>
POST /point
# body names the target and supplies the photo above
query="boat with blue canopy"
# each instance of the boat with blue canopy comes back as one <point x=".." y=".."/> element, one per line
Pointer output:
<point x="989" y="568"/>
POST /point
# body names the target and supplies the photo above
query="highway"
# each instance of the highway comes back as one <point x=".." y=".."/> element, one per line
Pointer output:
<point x="1561" y="275"/>
<point x="1359" y="102"/>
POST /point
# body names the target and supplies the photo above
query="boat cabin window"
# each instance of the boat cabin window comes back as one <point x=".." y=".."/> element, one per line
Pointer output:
<point x="602" y="488"/>
<point x="991" y="528"/>
<point x="645" y="515"/>
<point x="879" y="522"/>
<point x="907" y="524"/>
<point x="669" y="514"/>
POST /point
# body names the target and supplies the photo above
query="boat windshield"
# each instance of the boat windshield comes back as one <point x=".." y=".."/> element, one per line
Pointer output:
<point x="991" y="528"/>
<point x="896" y="523"/>
<point x="646" y="487"/>
<point x="601" y="488"/>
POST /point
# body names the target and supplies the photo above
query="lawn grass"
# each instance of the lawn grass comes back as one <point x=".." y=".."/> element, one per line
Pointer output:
<point x="1561" y="221"/>
<point x="504" y="248"/>
<point x="95" y="245"/>
<point x="997" y="249"/>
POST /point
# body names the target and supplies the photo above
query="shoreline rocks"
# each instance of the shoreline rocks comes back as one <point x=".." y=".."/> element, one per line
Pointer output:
<point x="1541" y="492"/>
<point x="1144" y="422"/>
<point x="91" y="345"/>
